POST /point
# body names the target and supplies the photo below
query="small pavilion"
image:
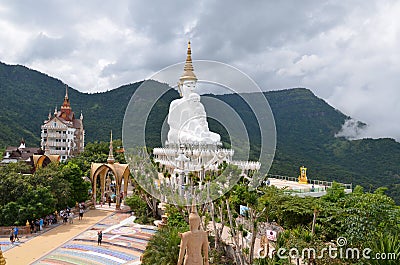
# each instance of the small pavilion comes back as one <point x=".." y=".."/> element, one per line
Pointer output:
<point x="44" y="160"/>
<point x="105" y="171"/>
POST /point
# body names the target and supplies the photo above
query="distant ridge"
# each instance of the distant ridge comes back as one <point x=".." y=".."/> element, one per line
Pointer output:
<point x="306" y="126"/>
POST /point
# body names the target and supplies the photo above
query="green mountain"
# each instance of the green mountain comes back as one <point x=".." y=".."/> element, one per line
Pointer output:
<point x="306" y="127"/>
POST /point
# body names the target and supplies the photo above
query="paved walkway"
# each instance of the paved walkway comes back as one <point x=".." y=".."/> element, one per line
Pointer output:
<point x="123" y="243"/>
<point x="40" y="245"/>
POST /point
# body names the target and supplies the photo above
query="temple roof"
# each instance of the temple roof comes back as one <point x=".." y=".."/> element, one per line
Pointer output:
<point x="66" y="112"/>
<point x="18" y="153"/>
<point x="66" y="115"/>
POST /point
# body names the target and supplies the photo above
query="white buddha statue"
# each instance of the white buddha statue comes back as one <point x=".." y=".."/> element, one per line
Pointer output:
<point x="187" y="118"/>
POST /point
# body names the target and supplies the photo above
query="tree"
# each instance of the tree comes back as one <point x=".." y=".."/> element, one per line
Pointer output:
<point x="52" y="178"/>
<point x="27" y="196"/>
<point x="139" y="208"/>
<point x="334" y="193"/>
<point x="366" y="215"/>
<point x="78" y="186"/>
<point x="163" y="247"/>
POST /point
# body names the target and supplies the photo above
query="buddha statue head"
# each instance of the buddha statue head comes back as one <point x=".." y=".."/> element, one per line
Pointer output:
<point x="187" y="82"/>
<point x="194" y="221"/>
<point x="187" y="87"/>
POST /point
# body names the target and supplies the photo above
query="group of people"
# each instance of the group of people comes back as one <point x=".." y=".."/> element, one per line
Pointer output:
<point x="67" y="215"/>
<point x="14" y="234"/>
<point x="39" y="223"/>
<point x="111" y="199"/>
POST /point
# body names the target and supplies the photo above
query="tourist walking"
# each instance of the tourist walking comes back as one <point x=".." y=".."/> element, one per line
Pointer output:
<point x="109" y="201"/>
<point x="99" y="237"/>
<point x="37" y="225"/>
<point x="81" y="213"/>
<point x="65" y="216"/>
<point x="16" y="230"/>
<point x="41" y="224"/>
<point x="71" y="217"/>
<point x="12" y="236"/>
<point x="32" y="226"/>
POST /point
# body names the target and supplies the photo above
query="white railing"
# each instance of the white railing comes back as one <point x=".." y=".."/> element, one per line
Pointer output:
<point x="323" y="183"/>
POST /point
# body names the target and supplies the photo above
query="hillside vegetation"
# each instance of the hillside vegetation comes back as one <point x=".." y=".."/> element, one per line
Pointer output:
<point x="306" y="127"/>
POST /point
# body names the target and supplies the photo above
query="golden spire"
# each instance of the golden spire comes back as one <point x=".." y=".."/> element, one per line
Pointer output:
<point x="66" y="92"/>
<point x="110" y="158"/>
<point x="188" y="73"/>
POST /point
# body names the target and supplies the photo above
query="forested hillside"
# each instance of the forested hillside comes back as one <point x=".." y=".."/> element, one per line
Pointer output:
<point x="306" y="127"/>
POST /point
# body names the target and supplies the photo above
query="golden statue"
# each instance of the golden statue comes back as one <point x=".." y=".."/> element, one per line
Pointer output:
<point x="264" y="244"/>
<point x="303" y="175"/>
<point x="2" y="259"/>
<point x="193" y="243"/>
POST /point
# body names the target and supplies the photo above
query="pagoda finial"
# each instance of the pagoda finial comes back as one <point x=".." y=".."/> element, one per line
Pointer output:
<point x="188" y="69"/>
<point x="110" y="158"/>
<point x="66" y="91"/>
<point x="66" y="110"/>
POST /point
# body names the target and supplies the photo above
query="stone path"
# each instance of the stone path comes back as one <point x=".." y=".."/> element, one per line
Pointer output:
<point x="123" y="242"/>
<point x="30" y="249"/>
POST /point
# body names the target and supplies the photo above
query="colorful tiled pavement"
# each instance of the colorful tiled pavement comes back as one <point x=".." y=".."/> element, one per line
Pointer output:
<point x="6" y="245"/>
<point x="121" y="244"/>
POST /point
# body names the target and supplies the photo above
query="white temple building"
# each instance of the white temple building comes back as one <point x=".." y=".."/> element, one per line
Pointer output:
<point x="62" y="133"/>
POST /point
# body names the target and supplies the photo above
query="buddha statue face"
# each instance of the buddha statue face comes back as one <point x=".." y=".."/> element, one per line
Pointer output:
<point x="194" y="221"/>
<point x="188" y="87"/>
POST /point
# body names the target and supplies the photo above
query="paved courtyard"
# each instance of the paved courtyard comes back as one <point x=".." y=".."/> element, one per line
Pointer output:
<point x="123" y="242"/>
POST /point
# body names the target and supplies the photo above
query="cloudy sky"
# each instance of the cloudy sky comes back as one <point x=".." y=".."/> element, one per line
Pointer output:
<point x="346" y="52"/>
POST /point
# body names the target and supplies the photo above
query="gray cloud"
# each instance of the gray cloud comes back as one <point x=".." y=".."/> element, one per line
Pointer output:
<point x="43" y="47"/>
<point x="344" y="51"/>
